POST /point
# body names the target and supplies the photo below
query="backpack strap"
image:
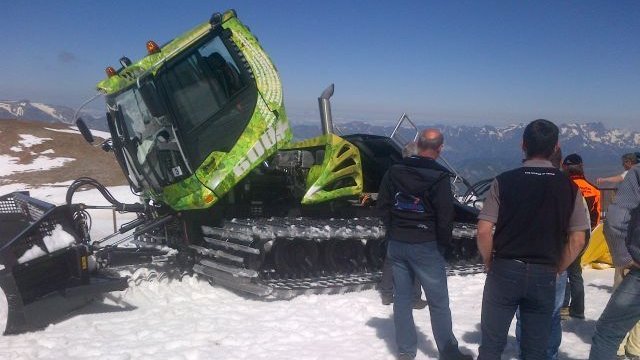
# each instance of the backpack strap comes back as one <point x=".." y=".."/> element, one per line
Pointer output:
<point x="427" y="191"/>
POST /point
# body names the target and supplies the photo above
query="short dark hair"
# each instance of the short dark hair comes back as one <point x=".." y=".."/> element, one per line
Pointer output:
<point x="576" y="169"/>
<point x="540" y="138"/>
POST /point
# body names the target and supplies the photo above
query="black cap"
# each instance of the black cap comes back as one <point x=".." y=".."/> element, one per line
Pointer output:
<point x="572" y="159"/>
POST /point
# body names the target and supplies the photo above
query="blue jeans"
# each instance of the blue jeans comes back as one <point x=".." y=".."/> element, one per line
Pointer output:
<point x="511" y="284"/>
<point x="386" y="282"/>
<point x="556" y="322"/>
<point x="620" y="315"/>
<point x="424" y="261"/>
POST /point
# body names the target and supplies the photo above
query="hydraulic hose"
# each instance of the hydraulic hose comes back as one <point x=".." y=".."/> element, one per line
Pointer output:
<point x="87" y="181"/>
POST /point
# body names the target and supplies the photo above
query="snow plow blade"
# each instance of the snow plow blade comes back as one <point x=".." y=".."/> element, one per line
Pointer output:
<point x="44" y="265"/>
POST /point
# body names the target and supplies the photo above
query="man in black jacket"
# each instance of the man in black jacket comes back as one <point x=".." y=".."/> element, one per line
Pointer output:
<point x="417" y="209"/>
<point x="539" y="218"/>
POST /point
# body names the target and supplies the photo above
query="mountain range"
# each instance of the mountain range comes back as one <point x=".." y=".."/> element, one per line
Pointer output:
<point x="36" y="111"/>
<point x="477" y="152"/>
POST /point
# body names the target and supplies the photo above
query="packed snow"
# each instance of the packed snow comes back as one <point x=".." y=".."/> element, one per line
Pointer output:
<point x="59" y="239"/>
<point x="10" y="164"/>
<point x="33" y="252"/>
<point x="28" y="140"/>
<point x="192" y="320"/>
<point x="68" y="131"/>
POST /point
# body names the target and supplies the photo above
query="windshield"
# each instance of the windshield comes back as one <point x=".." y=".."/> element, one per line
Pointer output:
<point x="201" y="84"/>
<point x="150" y="144"/>
<point x="207" y="91"/>
<point x="141" y="126"/>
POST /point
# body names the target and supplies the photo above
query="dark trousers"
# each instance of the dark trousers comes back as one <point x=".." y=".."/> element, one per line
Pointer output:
<point x="511" y="284"/>
<point x="574" y="294"/>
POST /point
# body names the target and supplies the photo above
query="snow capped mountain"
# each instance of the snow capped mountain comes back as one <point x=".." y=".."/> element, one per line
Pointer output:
<point x="25" y="109"/>
<point x="588" y="135"/>
<point x="35" y="111"/>
<point x="479" y="152"/>
<point x="485" y="151"/>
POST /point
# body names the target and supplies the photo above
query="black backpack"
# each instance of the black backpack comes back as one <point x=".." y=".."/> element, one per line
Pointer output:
<point x="409" y="203"/>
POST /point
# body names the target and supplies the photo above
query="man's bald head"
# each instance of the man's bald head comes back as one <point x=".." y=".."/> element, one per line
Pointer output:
<point x="430" y="142"/>
<point x="430" y="139"/>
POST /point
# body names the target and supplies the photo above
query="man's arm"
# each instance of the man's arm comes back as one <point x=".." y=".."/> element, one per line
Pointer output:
<point x="611" y="179"/>
<point x="618" y="221"/>
<point x="572" y="249"/>
<point x="383" y="203"/>
<point x="443" y="204"/>
<point x="487" y="219"/>
<point x="579" y="225"/>
<point x="485" y="242"/>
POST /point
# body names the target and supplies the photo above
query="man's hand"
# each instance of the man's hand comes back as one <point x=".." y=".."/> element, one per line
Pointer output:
<point x="485" y="242"/>
<point x="572" y="249"/>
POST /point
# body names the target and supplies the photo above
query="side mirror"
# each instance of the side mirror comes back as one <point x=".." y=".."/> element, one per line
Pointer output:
<point x="84" y="130"/>
<point x="151" y="99"/>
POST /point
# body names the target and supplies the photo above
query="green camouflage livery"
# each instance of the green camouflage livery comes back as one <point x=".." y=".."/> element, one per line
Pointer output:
<point x="340" y="173"/>
<point x="267" y="131"/>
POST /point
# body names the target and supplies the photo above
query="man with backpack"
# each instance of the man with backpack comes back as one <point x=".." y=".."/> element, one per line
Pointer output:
<point x="417" y="208"/>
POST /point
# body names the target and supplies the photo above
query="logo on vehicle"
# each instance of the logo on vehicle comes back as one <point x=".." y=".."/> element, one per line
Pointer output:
<point x="266" y="142"/>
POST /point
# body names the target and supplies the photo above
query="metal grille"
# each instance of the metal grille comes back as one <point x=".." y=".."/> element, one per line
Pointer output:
<point x="8" y="204"/>
<point x="43" y="218"/>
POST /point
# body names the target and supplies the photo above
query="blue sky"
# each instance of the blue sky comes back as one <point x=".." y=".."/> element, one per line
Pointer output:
<point x="457" y="62"/>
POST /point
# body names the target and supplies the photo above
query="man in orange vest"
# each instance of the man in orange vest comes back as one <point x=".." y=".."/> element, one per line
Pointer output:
<point x="574" y="295"/>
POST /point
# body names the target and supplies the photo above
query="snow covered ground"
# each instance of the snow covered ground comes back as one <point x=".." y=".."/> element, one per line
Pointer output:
<point x="191" y="320"/>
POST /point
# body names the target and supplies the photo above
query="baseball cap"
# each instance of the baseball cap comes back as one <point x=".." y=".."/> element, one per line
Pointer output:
<point x="572" y="159"/>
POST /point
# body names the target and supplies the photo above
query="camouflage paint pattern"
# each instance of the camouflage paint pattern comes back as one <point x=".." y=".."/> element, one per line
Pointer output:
<point x="267" y="130"/>
<point x="321" y="179"/>
<point x="188" y="194"/>
<point x="151" y="63"/>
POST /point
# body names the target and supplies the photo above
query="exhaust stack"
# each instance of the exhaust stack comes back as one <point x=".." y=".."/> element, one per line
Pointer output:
<point x="325" y="110"/>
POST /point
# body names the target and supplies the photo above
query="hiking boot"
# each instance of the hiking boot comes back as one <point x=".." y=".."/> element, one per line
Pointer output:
<point x="564" y="313"/>
<point x="405" y="356"/>
<point x="386" y="299"/>
<point x="419" y="304"/>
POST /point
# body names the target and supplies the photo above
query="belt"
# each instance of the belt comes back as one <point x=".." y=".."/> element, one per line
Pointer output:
<point x="526" y="263"/>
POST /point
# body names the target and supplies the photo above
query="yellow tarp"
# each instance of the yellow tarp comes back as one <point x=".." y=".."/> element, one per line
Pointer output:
<point x="597" y="253"/>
